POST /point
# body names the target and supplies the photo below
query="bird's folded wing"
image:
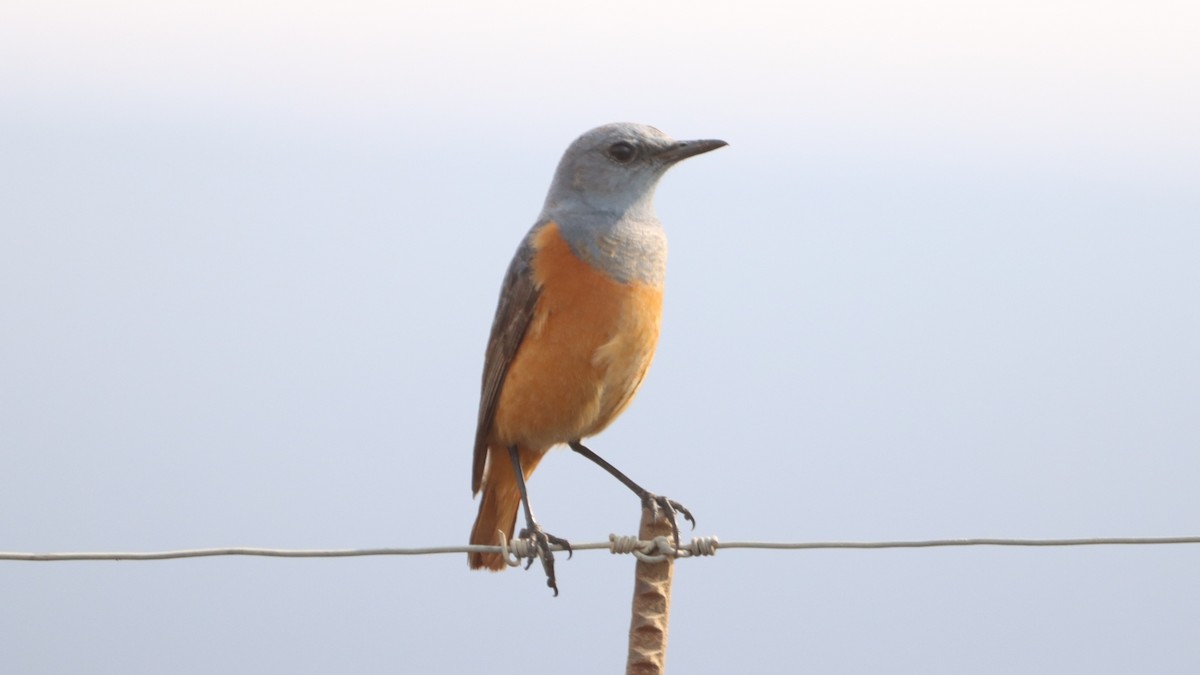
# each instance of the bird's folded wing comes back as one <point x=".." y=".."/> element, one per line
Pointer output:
<point x="518" y="298"/>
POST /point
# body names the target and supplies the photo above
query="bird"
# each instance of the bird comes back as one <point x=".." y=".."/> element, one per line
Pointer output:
<point x="576" y="327"/>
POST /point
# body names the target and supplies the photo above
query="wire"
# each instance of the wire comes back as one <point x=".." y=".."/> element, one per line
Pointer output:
<point x="979" y="541"/>
<point x="699" y="546"/>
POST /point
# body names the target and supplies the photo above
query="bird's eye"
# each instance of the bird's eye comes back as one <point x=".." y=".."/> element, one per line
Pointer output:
<point x="622" y="152"/>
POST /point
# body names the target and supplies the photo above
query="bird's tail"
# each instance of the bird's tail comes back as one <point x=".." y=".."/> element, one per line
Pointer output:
<point x="499" y="504"/>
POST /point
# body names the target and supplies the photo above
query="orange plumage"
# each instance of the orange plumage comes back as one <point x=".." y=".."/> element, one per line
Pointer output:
<point x="588" y="346"/>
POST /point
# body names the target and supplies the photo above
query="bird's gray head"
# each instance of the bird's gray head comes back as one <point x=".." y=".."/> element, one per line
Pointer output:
<point x="613" y="170"/>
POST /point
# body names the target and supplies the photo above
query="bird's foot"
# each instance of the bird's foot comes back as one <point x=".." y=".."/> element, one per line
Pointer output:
<point x="542" y="541"/>
<point x="668" y="507"/>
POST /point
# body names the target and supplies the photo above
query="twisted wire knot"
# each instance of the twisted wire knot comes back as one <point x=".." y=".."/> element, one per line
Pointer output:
<point x="660" y="548"/>
<point x="516" y="550"/>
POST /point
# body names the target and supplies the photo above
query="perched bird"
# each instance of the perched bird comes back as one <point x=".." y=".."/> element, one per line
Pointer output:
<point x="576" y="326"/>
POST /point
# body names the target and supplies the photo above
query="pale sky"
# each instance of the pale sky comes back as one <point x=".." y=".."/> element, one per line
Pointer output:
<point x="943" y="283"/>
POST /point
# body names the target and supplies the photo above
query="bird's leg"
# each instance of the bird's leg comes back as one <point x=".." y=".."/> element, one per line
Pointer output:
<point x="669" y="506"/>
<point x="541" y="539"/>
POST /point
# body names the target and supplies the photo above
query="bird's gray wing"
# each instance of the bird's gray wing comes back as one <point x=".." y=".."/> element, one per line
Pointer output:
<point x="518" y="298"/>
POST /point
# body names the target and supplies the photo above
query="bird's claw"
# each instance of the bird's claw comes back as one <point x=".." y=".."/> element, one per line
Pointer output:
<point x="668" y="507"/>
<point x="542" y="541"/>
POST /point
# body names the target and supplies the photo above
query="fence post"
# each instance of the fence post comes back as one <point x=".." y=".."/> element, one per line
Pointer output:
<point x="651" y="603"/>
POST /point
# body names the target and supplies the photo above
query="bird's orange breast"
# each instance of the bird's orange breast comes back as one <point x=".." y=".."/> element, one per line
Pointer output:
<point x="584" y="354"/>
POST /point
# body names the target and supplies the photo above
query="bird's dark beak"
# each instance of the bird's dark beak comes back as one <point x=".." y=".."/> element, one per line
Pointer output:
<point x="681" y="150"/>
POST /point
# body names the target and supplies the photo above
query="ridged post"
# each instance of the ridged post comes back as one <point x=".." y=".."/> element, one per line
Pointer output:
<point x="651" y="604"/>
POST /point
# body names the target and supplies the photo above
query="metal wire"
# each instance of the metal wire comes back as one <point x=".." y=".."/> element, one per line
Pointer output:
<point x="697" y="547"/>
